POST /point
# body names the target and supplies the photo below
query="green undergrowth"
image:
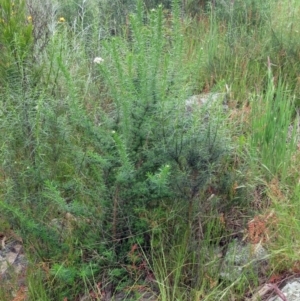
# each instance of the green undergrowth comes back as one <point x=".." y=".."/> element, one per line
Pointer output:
<point x="116" y="184"/>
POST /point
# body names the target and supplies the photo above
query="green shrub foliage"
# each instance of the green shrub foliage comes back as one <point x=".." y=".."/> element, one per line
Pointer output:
<point x="78" y="183"/>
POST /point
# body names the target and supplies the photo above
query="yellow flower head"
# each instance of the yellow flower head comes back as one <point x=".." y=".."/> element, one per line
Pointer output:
<point x="61" y="20"/>
<point x="29" y="18"/>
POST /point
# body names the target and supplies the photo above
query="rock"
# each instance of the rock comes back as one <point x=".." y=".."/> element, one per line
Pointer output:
<point x="64" y="225"/>
<point x="13" y="265"/>
<point x="206" y="101"/>
<point x="12" y="259"/>
<point x="242" y="258"/>
<point x="291" y="291"/>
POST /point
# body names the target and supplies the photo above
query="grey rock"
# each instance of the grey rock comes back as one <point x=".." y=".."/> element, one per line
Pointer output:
<point x="12" y="260"/>
<point x="242" y="259"/>
<point x="291" y="291"/>
<point x="206" y="101"/>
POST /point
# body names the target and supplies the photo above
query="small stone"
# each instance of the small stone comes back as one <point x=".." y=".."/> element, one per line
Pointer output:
<point x="242" y="257"/>
<point x="291" y="291"/>
<point x="205" y="100"/>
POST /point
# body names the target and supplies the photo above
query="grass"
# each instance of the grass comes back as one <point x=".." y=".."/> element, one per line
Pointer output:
<point x="113" y="185"/>
<point x="273" y="133"/>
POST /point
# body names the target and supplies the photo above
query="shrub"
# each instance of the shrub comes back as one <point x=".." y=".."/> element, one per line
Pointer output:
<point x="79" y="183"/>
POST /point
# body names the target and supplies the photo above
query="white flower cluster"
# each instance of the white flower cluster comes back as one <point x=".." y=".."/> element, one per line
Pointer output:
<point x="98" y="60"/>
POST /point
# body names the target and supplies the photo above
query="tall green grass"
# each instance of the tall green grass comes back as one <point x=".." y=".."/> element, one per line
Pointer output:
<point x="273" y="134"/>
